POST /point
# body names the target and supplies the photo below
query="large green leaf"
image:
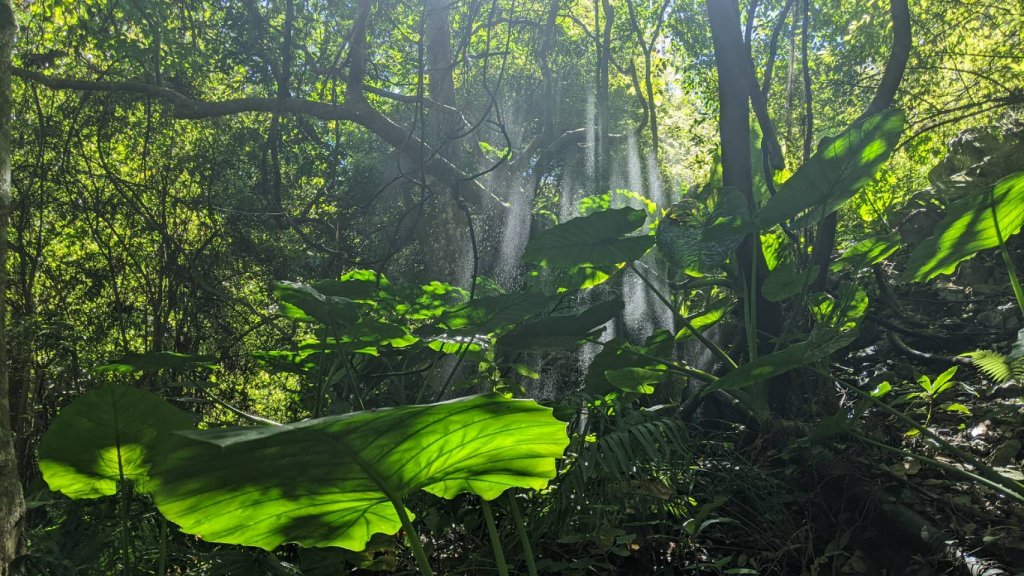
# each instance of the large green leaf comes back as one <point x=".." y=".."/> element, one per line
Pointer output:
<point x="637" y="380"/>
<point x="594" y="240"/>
<point x="336" y="481"/>
<point x="970" y="227"/>
<point x="782" y="361"/>
<point x="839" y="168"/>
<point x="154" y="361"/>
<point x="868" y="252"/>
<point x="560" y="331"/>
<point x="698" y="240"/>
<point x="624" y="367"/>
<point x="485" y="315"/>
<point x="104" y="436"/>
<point x="304" y="303"/>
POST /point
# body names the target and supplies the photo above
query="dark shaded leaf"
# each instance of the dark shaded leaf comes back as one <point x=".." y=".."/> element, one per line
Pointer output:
<point x="561" y="331"/>
<point x="595" y="240"/>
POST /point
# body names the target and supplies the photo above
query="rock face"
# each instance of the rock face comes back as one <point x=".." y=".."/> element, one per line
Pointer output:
<point x="980" y="157"/>
<point x="976" y="160"/>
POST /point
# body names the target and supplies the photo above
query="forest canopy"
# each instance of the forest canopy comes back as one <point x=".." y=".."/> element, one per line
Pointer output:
<point x="310" y="287"/>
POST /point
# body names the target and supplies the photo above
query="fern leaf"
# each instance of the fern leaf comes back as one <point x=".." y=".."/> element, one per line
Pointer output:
<point x="996" y="366"/>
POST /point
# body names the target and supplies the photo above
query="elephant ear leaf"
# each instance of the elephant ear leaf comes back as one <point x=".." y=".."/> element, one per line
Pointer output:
<point x="561" y="331"/>
<point x="336" y="481"/>
<point x="105" y="436"/>
<point x="305" y="303"/>
<point x="598" y="239"/>
<point x="840" y="167"/>
<point x="156" y="361"/>
<point x="978" y="222"/>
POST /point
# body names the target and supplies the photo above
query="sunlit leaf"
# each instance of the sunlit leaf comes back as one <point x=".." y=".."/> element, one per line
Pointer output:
<point x="105" y="435"/>
<point x="304" y="303"/>
<point x="708" y="317"/>
<point x="970" y="227"/>
<point x="840" y="167"/>
<point x="868" y="252"/>
<point x="336" y="481"/>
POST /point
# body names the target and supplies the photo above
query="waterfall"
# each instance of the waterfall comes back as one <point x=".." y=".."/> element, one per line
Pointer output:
<point x="515" y="232"/>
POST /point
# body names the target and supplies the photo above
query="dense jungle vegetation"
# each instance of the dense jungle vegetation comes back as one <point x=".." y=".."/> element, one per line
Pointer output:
<point x="321" y="287"/>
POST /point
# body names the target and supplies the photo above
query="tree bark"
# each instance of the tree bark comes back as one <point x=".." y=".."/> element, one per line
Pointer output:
<point x="734" y="133"/>
<point x="440" y="81"/>
<point x="884" y="97"/>
<point x="12" y="501"/>
<point x="446" y="229"/>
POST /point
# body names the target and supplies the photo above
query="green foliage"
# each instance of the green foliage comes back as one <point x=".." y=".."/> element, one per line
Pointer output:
<point x="699" y="240"/>
<point x="598" y="239"/>
<point x="304" y="303"/>
<point x="1000" y="367"/>
<point x="868" y="252"/>
<point x="486" y="315"/>
<point x="712" y="314"/>
<point x="326" y="482"/>
<point x="840" y="167"/>
<point x="105" y="437"/>
<point x="155" y="361"/>
<point x="560" y="331"/>
<point x="980" y="221"/>
<point x="837" y="324"/>
<point x="933" y="388"/>
<point x="133" y="230"/>
<point x="786" y="281"/>
<point x="336" y="481"/>
<point x="591" y="204"/>
<point x="636" y="380"/>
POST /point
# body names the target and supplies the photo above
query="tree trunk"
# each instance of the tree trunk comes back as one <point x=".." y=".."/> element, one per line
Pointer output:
<point x="446" y="229"/>
<point x="734" y="133"/>
<point x="12" y="502"/>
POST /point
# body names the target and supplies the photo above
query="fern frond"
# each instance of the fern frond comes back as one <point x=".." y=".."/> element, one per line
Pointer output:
<point x="998" y="367"/>
<point x="646" y="445"/>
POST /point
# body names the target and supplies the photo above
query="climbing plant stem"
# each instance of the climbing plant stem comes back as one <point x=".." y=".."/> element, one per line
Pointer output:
<point x="524" y="538"/>
<point x="492" y="531"/>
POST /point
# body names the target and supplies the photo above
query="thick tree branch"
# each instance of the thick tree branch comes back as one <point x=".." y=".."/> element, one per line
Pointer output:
<point x="357" y="54"/>
<point x="358" y="112"/>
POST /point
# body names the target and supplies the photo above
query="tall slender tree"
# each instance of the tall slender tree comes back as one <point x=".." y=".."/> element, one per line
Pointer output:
<point x="12" y="501"/>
